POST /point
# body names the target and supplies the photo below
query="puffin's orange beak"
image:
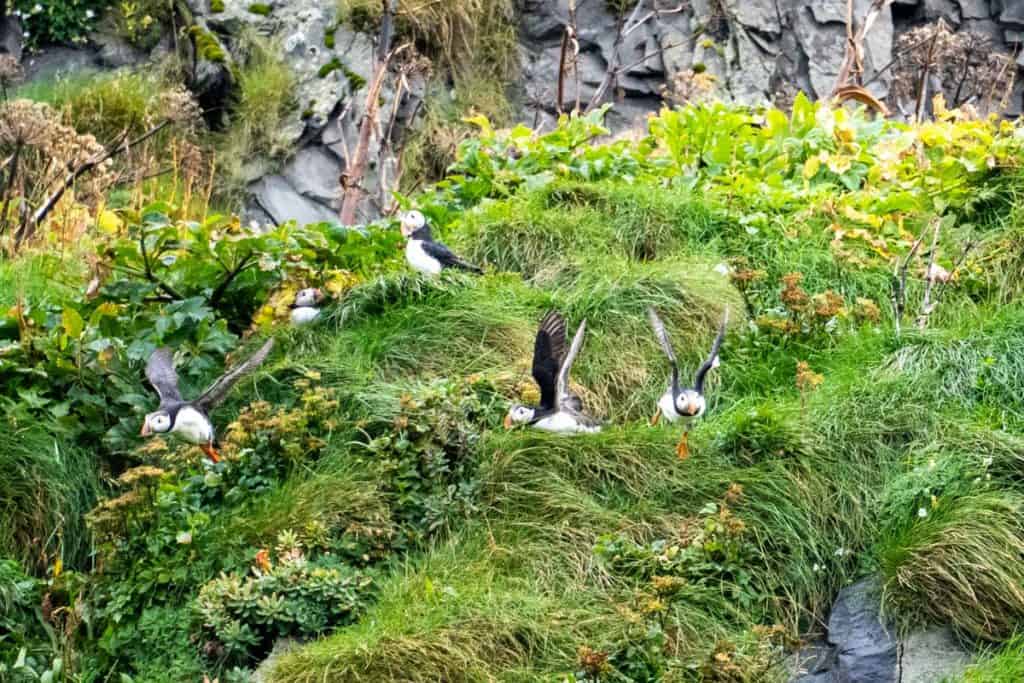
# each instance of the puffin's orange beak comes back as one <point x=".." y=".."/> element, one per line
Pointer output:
<point x="508" y="421"/>
<point x="145" y="428"/>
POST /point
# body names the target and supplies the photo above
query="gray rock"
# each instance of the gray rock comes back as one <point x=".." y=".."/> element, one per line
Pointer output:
<point x="275" y="196"/>
<point x="264" y="672"/>
<point x="946" y="9"/>
<point x="1009" y="11"/>
<point x="932" y="655"/>
<point x="313" y="172"/>
<point x="115" y="52"/>
<point x="975" y="9"/>
<point x="11" y="38"/>
<point x="866" y="651"/>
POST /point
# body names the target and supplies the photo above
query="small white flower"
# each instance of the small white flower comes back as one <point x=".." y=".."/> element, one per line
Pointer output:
<point x="722" y="269"/>
<point x="841" y="551"/>
<point x="987" y="461"/>
<point x="752" y="230"/>
<point x="184" y="538"/>
<point x="89" y="14"/>
<point x="37" y="8"/>
<point x="817" y="567"/>
<point x="922" y="512"/>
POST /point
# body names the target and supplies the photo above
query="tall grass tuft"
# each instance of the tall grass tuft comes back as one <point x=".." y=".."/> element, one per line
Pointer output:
<point x="959" y="563"/>
<point x="48" y="487"/>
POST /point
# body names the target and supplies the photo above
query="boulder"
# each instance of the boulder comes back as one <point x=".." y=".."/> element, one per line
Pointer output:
<point x="861" y="648"/>
<point x="865" y="648"/>
<point x="282" y="202"/>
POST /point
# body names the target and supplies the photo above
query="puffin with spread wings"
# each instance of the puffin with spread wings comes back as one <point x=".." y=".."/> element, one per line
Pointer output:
<point x="191" y="419"/>
<point x="560" y="410"/>
<point x="423" y="253"/>
<point x="679" y="403"/>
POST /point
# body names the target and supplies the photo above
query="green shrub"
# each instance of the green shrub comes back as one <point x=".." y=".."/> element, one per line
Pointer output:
<point x="261" y="9"/>
<point x="68" y="21"/>
<point x="286" y="594"/>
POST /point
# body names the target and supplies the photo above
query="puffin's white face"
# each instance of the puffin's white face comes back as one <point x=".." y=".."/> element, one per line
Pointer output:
<point x="156" y="423"/>
<point x="689" y="403"/>
<point x="518" y="415"/>
<point x="308" y="297"/>
<point x="411" y="222"/>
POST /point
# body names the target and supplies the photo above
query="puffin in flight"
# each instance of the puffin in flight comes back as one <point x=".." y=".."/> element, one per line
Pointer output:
<point x="560" y="410"/>
<point x="423" y="253"/>
<point x="306" y="308"/>
<point x="191" y="419"/>
<point x="684" y="403"/>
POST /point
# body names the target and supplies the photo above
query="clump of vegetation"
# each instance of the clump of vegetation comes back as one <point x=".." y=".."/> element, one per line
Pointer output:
<point x="261" y="9"/>
<point x="286" y="594"/>
<point x="207" y="45"/>
<point x="56" y="23"/>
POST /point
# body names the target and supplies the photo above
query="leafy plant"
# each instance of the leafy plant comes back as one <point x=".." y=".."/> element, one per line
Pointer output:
<point x="285" y="594"/>
<point x="63" y="21"/>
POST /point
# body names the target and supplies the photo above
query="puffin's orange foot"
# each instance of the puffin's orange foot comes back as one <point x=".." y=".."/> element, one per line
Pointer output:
<point x="656" y="418"/>
<point x="211" y="452"/>
<point x="683" y="447"/>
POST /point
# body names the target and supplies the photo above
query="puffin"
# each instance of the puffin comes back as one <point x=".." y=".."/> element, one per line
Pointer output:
<point x="306" y="307"/>
<point x="684" y="404"/>
<point x="423" y="253"/>
<point x="560" y="410"/>
<point x="191" y="419"/>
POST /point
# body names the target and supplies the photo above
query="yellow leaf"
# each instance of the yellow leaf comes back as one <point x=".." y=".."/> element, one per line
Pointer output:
<point x="109" y="222"/>
<point x="811" y="167"/>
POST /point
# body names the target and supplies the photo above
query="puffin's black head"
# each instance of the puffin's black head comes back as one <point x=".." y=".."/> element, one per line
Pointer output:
<point x="519" y="414"/>
<point x="159" y="422"/>
<point x="308" y="297"/>
<point x="412" y="222"/>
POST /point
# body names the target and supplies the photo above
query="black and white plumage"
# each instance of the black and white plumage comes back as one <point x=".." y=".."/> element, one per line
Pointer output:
<point x="559" y="410"/>
<point x="191" y="419"/>
<point x="679" y="403"/>
<point x="306" y="308"/>
<point x="423" y="253"/>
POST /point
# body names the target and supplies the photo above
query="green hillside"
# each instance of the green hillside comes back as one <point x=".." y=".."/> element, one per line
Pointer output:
<point x="371" y="515"/>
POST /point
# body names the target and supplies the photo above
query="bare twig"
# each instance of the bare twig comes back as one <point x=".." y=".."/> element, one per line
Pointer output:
<point x="968" y="248"/>
<point x="926" y="303"/>
<point x="244" y="263"/>
<point x="922" y="88"/>
<point x="352" y="177"/>
<point x="853" y="59"/>
<point x="899" y="281"/>
<point x="43" y="211"/>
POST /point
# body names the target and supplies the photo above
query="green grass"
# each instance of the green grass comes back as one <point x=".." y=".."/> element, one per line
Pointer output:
<point x="827" y="484"/>
<point x="49" y="485"/>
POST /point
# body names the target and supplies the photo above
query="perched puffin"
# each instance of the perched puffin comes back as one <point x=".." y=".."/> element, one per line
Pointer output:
<point x="560" y="410"/>
<point x="423" y="253"/>
<point x="684" y="403"/>
<point x="306" y="307"/>
<point x="191" y="419"/>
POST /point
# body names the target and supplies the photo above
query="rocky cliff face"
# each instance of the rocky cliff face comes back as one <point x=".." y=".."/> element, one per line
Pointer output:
<point x="750" y="51"/>
<point x="758" y="51"/>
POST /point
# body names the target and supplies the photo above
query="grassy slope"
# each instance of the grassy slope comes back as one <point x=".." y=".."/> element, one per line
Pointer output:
<point x="514" y="591"/>
<point x="829" y="489"/>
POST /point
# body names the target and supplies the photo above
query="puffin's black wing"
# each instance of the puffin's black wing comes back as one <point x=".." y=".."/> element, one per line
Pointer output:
<point x="698" y="380"/>
<point x="447" y="258"/>
<point x="548" y="350"/>
<point x="666" y="345"/>
<point x="218" y="391"/>
<point x="564" y="395"/>
<point x="162" y="376"/>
